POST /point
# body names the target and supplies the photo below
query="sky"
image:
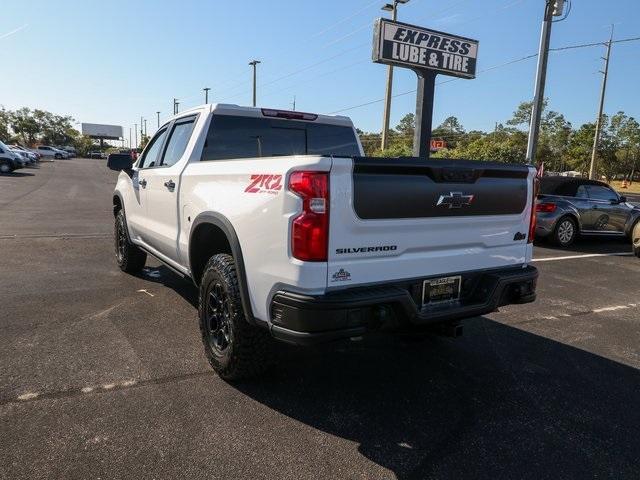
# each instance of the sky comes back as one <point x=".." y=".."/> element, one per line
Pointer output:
<point x="113" y="61"/>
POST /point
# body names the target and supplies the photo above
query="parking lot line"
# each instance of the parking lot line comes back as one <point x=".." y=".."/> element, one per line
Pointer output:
<point x="586" y="255"/>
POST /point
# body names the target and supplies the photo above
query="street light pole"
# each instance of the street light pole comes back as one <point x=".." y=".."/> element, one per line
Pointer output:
<point x="393" y="8"/>
<point x="387" y="96"/>
<point x="553" y="8"/>
<point x="145" y="127"/>
<point x="206" y="94"/>
<point x="135" y="131"/>
<point x="254" y="63"/>
<point x="158" y="114"/>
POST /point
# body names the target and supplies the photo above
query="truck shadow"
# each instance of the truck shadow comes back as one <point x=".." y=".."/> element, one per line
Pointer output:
<point x="497" y="403"/>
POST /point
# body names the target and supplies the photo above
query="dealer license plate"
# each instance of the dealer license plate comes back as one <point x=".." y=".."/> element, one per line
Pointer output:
<point x="445" y="289"/>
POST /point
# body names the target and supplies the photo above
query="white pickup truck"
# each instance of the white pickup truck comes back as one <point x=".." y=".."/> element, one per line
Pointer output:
<point x="289" y="232"/>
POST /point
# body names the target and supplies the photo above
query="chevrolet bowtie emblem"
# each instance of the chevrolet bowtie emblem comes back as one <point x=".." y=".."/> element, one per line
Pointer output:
<point x="455" y="200"/>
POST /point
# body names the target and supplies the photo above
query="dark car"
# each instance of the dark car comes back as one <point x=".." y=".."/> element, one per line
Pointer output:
<point x="567" y="207"/>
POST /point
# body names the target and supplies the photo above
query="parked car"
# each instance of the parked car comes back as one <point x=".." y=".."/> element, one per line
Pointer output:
<point x="32" y="155"/>
<point x="96" y="154"/>
<point x="70" y="150"/>
<point x="22" y="156"/>
<point x="9" y="161"/>
<point x="290" y="232"/>
<point x="567" y="207"/>
<point x="51" y="152"/>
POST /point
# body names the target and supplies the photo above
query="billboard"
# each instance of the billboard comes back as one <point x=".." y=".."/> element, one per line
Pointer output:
<point x="408" y="46"/>
<point x="107" y="132"/>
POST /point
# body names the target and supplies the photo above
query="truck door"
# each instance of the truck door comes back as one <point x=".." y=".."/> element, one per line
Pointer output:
<point x="162" y="216"/>
<point x="136" y="210"/>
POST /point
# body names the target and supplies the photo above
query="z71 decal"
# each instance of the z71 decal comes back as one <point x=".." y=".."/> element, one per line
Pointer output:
<point x="264" y="183"/>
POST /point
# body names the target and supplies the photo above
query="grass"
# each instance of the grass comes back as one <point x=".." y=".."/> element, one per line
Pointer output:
<point x="633" y="188"/>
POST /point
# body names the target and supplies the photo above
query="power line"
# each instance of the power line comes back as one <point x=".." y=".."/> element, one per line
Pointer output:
<point x="494" y="67"/>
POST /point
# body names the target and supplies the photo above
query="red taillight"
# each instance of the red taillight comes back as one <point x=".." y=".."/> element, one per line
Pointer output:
<point x="310" y="229"/>
<point x="546" y="207"/>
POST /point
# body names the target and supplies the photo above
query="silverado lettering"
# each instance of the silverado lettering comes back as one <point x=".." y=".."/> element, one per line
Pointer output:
<point x="383" y="248"/>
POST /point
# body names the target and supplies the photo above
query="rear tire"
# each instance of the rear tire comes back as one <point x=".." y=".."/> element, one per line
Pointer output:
<point x="635" y="239"/>
<point x="235" y="348"/>
<point x="129" y="257"/>
<point x="566" y="232"/>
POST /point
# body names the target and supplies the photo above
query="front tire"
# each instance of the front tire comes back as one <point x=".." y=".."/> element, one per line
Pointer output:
<point x="5" y="167"/>
<point x="235" y="348"/>
<point x="57" y="156"/>
<point x="129" y="257"/>
<point x="566" y="232"/>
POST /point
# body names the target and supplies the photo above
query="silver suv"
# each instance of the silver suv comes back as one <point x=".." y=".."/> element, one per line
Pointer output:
<point x="567" y="207"/>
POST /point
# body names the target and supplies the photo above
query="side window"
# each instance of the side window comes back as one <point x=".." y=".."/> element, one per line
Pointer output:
<point x="582" y="192"/>
<point x="599" y="192"/>
<point x="151" y="154"/>
<point x="177" y="142"/>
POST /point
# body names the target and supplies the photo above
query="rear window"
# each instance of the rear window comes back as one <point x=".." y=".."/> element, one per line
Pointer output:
<point x="248" y="137"/>
<point x="565" y="188"/>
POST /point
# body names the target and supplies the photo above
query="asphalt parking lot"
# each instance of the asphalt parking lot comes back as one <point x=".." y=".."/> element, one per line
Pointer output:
<point x="104" y="376"/>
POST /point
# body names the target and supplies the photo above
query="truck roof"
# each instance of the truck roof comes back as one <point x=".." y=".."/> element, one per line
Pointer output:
<point x="261" y="112"/>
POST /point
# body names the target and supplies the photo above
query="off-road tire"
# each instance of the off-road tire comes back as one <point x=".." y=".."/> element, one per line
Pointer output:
<point x="561" y="236"/>
<point x="249" y="351"/>
<point x="129" y="257"/>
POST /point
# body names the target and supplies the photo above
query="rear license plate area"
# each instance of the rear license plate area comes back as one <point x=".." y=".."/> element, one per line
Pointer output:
<point x="441" y="290"/>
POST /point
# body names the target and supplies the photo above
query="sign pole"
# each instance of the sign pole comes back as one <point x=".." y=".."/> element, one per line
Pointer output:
<point x="424" y="113"/>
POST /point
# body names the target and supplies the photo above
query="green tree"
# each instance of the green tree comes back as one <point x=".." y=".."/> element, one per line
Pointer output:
<point x="25" y="126"/>
<point x="5" y="122"/>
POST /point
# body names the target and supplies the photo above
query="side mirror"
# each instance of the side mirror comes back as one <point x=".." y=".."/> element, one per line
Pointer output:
<point x="119" y="162"/>
<point x="623" y="199"/>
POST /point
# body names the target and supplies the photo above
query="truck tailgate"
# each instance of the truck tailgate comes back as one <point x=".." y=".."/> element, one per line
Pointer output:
<point x="404" y="218"/>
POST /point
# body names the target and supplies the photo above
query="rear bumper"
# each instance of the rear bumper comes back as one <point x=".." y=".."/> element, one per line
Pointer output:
<point x="304" y="319"/>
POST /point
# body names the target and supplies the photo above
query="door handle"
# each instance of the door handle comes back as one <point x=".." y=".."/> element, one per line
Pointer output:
<point x="170" y="185"/>
<point x="142" y="183"/>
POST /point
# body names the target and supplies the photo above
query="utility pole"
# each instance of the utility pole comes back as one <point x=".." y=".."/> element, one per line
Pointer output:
<point x="206" y="94"/>
<point x="393" y="8"/>
<point x="158" y="114"/>
<point x="596" y="139"/>
<point x="145" y="127"/>
<point x="141" y="129"/>
<point x="135" y="131"/>
<point x="254" y="63"/>
<point x="552" y="8"/>
<point x="294" y="103"/>
<point x="177" y="107"/>
<point x="129" y="137"/>
<point x="175" y="102"/>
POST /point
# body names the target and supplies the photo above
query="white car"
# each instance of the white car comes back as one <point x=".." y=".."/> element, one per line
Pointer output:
<point x="290" y="233"/>
<point x="51" y="152"/>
